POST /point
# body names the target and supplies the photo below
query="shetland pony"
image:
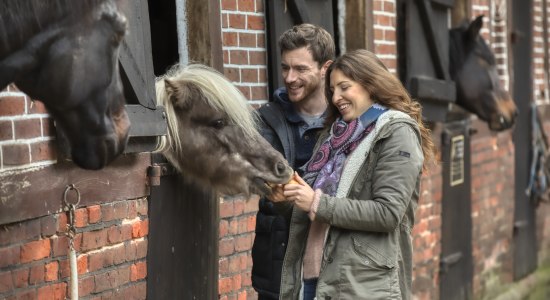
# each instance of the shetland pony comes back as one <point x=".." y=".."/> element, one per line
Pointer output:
<point x="212" y="137"/>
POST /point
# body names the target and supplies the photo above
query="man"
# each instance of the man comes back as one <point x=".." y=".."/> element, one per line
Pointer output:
<point x="291" y="123"/>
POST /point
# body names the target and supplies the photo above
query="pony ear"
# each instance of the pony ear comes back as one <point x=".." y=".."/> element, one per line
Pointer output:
<point x="176" y="93"/>
<point x="170" y="88"/>
<point x="475" y="27"/>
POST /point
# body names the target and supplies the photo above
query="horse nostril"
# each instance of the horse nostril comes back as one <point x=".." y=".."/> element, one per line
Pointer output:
<point x="281" y="167"/>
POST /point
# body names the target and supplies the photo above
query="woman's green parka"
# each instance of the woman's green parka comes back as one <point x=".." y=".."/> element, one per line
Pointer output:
<point x="368" y="248"/>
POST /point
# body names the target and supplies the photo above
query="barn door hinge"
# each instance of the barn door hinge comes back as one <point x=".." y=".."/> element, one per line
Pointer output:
<point x="157" y="170"/>
<point x="520" y="224"/>
<point x="448" y="261"/>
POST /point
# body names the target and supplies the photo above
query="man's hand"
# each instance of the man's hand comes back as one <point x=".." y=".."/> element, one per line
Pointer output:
<point x="277" y="193"/>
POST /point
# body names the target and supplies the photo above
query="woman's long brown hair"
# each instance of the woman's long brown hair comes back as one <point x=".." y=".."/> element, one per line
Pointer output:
<point x="385" y="88"/>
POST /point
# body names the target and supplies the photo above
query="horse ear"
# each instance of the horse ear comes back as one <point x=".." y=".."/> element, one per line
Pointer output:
<point x="475" y="27"/>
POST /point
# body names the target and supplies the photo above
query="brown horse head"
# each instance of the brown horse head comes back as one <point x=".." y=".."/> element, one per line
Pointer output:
<point x="473" y="68"/>
<point x="72" y="66"/>
<point x="212" y="139"/>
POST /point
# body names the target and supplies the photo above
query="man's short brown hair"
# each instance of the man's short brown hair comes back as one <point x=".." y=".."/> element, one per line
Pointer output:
<point x="314" y="37"/>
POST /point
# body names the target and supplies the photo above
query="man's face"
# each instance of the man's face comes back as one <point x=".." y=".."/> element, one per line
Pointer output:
<point x="301" y="74"/>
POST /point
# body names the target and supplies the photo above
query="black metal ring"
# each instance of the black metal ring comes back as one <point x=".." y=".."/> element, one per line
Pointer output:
<point x="67" y="189"/>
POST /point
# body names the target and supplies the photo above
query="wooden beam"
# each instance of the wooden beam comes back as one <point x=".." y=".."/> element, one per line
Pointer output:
<point x="359" y="25"/>
<point x="135" y="51"/>
<point x="436" y="53"/>
<point x="298" y="9"/>
<point x="27" y="195"/>
<point x="460" y="12"/>
<point x="204" y="37"/>
<point x="446" y="3"/>
<point x="426" y="88"/>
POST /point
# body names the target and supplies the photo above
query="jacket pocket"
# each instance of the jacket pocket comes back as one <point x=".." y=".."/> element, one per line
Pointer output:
<point x="370" y="255"/>
<point x="368" y="273"/>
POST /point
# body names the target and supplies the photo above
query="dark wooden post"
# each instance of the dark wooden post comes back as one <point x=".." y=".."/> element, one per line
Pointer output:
<point x="525" y="250"/>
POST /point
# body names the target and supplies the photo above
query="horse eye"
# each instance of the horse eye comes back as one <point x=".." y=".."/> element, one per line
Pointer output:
<point x="218" y="124"/>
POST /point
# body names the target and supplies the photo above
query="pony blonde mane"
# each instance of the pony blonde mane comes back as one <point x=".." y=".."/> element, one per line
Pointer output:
<point x="219" y="93"/>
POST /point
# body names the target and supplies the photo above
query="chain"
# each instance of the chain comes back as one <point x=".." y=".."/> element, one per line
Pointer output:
<point x="70" y="207"/>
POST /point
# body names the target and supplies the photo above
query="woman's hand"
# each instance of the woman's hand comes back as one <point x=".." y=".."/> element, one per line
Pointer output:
<point x="301" y="194"/>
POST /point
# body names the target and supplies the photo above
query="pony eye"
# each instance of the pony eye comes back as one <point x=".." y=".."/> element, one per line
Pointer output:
<point x="116" y="39"/>
<point x="218" y="124"/>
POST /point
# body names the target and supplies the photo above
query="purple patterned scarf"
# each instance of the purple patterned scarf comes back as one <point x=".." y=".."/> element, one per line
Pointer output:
<point x="324" y="169"/>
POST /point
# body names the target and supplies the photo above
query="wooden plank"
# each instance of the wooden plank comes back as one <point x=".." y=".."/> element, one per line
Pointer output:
<point x="215" y="33"/>
<point x="370" y="25"/>
<point x="359" y="25"/>
<point x="277" y="22"/>
<point x="204" y="37"/>
<point x="525" y="240"/>
<point x="299" y="11"/>
<point x="182" y="255"/>
<point x="37" y="193"/>
<point x="435" y="111"/>
<point x="135" y="51"/>
<point x="456" y="262"/>
<point x="427" y="88"/>
<point x="147" y="126"/>
<point x="460" y="12"/>
<point x="446" y="3"/>
<point x="146" y="122"/>
<point x="426" y="12"/>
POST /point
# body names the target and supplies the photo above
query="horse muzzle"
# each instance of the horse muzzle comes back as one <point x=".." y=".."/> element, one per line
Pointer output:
<point x="94" y="153"/>
<point x="97" y="153"/>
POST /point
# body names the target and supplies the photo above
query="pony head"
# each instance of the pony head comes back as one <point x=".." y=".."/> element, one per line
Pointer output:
<point x="212" y="136"/>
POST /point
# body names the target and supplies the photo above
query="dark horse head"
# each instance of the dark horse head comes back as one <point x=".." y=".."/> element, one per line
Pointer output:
<point x="473" y="68"/>
<point x="65" y="54"/>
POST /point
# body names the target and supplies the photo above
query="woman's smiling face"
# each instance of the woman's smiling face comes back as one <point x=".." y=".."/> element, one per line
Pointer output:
<point x="350" y="98"/>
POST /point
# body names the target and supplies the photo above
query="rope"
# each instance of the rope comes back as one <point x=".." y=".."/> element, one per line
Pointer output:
<point x="71" y="232"/>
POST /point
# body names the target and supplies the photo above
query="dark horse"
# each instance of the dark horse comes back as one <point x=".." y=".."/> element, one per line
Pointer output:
<point x="473" y="68"/>
<point x="65" y="54"/>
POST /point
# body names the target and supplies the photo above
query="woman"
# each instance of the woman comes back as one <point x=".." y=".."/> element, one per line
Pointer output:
<point x="350" y="234"/>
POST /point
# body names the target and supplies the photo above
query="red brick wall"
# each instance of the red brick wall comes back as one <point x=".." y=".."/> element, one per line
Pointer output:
<point x="538" y="55"/>
<point x="111" y="247"/>
<point x="492" y="172"/>
<point x="245" y="64"/>
<point x="26" y="132"/>
<point x="244" y="47"/>
<point x="384" y="22"/>
<point x="426" y="236"/>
